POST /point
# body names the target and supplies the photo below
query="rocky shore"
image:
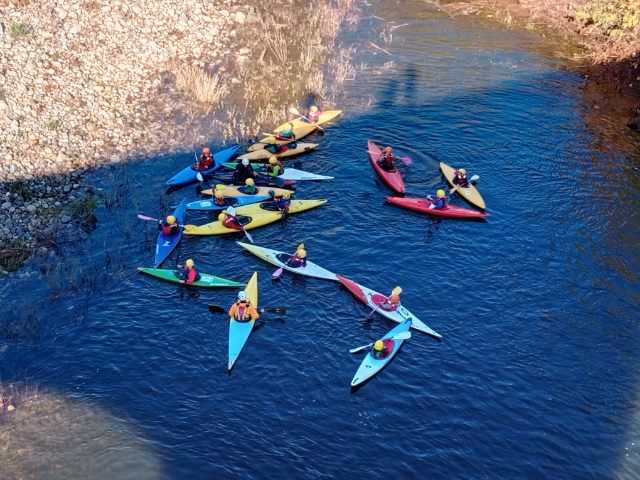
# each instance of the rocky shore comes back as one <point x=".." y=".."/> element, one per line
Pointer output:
<point x="89" y="83"/>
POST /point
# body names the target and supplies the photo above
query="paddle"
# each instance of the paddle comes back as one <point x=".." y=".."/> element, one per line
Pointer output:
<point x="294" y="111"/>
<point x="401" y="336"/>
<point x="473" y="179"/>
<point x="278" y="273"/>
<point x="219" y="309"/>
<point x="148" y="219"/>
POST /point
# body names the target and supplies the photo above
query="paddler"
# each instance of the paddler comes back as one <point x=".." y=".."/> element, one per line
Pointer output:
<point x="242" y="172"/>
<point x="460" y="178"/>
<point x="242" y="310"/>
<point x="205" y="162"/>
<point x="314" y="114"/>
<point x="282" y="201"/>
<point x="440" y="201"/>
<point x="250" y="187"/>
<point x="219" y="197"/>
<point x="382" y="348"/>
<point x="229" y="220"/>
<point x="299" y="259"/>
<point x="286" y="133"/>
<point x="393" y="301"/>
<point x="169" y="226"/>
<point x="274" y="168"/>
<point x="386" y="159"/>
<point x="189" y="273"/>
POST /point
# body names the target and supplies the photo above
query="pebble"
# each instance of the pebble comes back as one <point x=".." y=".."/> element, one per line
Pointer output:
<point x="65" y="219"/>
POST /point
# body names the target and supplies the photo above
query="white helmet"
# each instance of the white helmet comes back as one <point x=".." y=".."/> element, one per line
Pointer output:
<point x="245" y="162"/>
<point x="242" y="295"/>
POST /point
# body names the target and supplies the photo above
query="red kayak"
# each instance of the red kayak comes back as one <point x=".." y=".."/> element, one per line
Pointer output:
<point x="424" y="205"/>
<point x="392" y="178"/>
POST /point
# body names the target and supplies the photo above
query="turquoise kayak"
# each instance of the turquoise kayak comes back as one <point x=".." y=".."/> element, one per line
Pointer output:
<point x="205" y="280"/>
<point x="239" y="332"/>
<point x="210" y="205"/>
<point x="371" y="365"/>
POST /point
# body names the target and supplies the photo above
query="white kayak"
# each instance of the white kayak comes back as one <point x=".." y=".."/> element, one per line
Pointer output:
<point x="279" y="259"/>
<point x="300" y="175"/>
<point x="371" y="364"/>
<point x="374" y="299"/>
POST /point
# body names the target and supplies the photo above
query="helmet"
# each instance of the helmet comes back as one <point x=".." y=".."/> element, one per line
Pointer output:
<point x="313" y="109"/>
<point x="242" y="295"/>
<point x="387" y="149"/>
<point x="301" y="253"/>
<point x="222" y="216"/>
<point x="206" y="150"/>
<point x="171" y="219"/>
<point x="396" y="291"/>
<point x="273" y="160"/>
<point x="378" y="346"/>
<point x="245" y="162"/>
<point x="189" y="263"/>
<point x="249" y="181"/>
<point x="286" y="194"/>
<point x="440" y="193"/>
<point x="218" y="193"/>
<point x="301" y="246"/>
<point x="462" y="171"/>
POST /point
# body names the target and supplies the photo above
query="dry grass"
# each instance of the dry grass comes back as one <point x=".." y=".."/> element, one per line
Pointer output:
<point x="205" y="88"/>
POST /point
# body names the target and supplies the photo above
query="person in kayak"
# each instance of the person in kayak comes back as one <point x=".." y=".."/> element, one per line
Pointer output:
<point x="242" y="310"/>
<point x="229" y="220"/>
<point x="218" y="194"/>
<point x="189" y="273"/>
<point x="299" y="259"/>
<point x="250" y="187"/>
<point x="314" y="114"/>
<point x="274" y="168"/>
<point x="440" y="201"/>
<point x="382" y="348"/>
<point x="460" y="178"/>
<point x="392" y="302"/>
<point x="169" y="226"/>
<point x="286" y="133"/>
<point x="205" y="162"/>
<point x="242" y="172"/>
<point x="386" y="159"/>
<point x="282" y="201"/>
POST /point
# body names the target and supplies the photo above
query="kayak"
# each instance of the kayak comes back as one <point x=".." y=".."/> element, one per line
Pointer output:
<point x="165" y="244"/>
<point x="238" y="191"/>
<point x="210" y="205"/>
<point x="301" y="128"/>
<point x="279" y="259"/>
<point x="371" y="365"/>
<point x="424" y="205"/>
<point x="263" y="154"/>
<point x="254" y="216"/>
<point x="205" y="280"/>
<point x="393" y="178"/>
<point x="373" y="299"/>
<point x="239" y="331"/>
<point x="470" y="193"/>
<point x="188" y="175"/>
<point x="292" y="174"/>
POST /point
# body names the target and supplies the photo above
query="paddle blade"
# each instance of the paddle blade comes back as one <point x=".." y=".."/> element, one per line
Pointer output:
<point x="148" y="219"/>
<point x="199" y="177"/>
<point x="276" y="309"/>
<point x="248" y="235"/>
<point x="216" y="309"/>
<point x="294" y="111"/>
<point x="474" y="178"/>
<point x="276" y="275"/>
<point x="406" y="160"/>
<point x="361" y="348"/>
<point x="403" y="336"/>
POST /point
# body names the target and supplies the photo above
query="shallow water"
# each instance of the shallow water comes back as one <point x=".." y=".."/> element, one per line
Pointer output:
<point x="535" y="376"/>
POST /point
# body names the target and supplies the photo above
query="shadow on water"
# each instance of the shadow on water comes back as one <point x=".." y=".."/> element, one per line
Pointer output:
<point x="534" y="306"/>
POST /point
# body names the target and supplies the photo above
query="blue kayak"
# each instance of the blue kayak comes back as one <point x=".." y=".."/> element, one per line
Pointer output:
<point x="165" y="244"/>
<point x="188" y="175"/>
<point x="210" y="204"/>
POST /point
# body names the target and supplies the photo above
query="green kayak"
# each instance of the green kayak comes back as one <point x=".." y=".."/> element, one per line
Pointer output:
<point x="205" y="280"/>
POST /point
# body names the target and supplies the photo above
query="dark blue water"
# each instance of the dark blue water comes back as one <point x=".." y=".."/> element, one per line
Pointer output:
<point x="536" y="376"/>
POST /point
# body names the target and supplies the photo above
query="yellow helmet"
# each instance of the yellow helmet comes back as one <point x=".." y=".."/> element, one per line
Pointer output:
<point x="301" y="253"/>
<point x="222" y="216"/>
<point x="301" y="246"/>
<point x="218" y="193"/>
<point x="313" y="109"/>
<point x="171" y="219"/>
<point x="396" y="291"/>
<point x="273" y="160"/>
<point x="462" y="171"/>
<point x="440" y="193"/>
<point x="378" y="346"/>
<point x="250" y="182"/>
<point x="286" y="194"/>
<point x="189" y="263"/>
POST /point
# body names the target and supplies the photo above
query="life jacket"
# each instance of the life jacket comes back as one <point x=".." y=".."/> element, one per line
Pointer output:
<point x="295" y="261"/>
<point x="220" y="201"/>
<point x="169" y="229"/>
<point x="205" y="162"/>
<point x="462" y="181"/>
<point x="282" y="203"/>
<point x="274" y="170"/>
<point x="286" y="135"/>
<point x="440" y="203"/>
<point x="243" y="310"/>
<point x="386" y="161"/>
<point x="190" y="275"/>
<point x="314" y="116"/>
<point x="232" y="222"/>
<point x="394" y="300"/>
<point x="386" y="349"/>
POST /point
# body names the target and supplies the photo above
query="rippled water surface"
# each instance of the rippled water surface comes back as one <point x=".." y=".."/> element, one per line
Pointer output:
<point x="536" y="376"/>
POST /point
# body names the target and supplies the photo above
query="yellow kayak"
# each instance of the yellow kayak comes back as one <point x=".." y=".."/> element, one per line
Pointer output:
<point x="262" y="154"/>
<point x="257" y="215"/>
<point x="301" y="128"/>
<point x="470" y="193"/>
<point x="236" y="191"/>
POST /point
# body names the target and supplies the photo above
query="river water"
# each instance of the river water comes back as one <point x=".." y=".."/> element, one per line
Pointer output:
<point x="536" y="376"/>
